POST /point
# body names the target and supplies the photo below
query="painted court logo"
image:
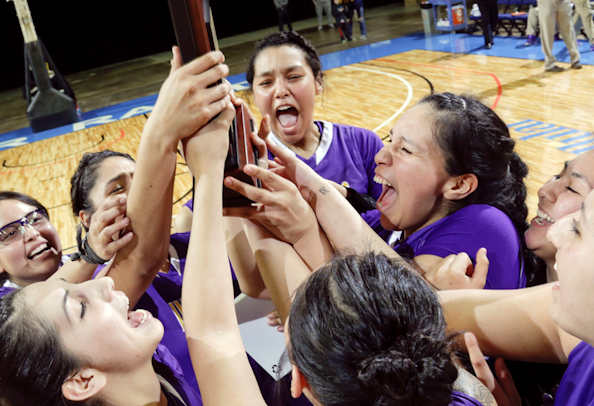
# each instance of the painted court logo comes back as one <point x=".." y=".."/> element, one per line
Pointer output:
<point x="576" y="141"/>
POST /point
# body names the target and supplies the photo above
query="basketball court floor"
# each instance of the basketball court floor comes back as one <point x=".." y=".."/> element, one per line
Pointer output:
<point x="549" y="114"/>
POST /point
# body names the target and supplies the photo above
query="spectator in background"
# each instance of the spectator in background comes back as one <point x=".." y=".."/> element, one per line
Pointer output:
<point x="356" y="6"/>
<point x="532" y="27"/>
<point x="321" y="6"/>
<point x="340" y="13"/>
<point x="282" y="12"/>
<point x="489" y="19"/>
<point x="582" y="7"/>
<point x="549" y="12"/>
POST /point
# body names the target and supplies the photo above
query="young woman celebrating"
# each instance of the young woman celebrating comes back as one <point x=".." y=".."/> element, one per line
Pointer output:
<point x="150" y="270"/>
<point x="359" y="331"/>
<point x="83" y="343"/>
<point x="451" y="182"/>
<point x="560" y="196"/>
<point x="285" y="77"/>
<point x="31" y="250"/>
<point x="555" y="327"/>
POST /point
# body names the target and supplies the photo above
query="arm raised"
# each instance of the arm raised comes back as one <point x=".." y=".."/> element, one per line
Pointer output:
<point x="214" y="341"/>
<point x="185" y="104"/>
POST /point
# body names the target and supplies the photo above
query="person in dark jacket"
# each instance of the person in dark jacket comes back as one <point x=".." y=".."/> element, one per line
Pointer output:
<point x="282" y="12"/>
<point x="340" y="13"/>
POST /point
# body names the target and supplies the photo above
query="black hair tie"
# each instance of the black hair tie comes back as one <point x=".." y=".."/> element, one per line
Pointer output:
<point x="86" y="252"/>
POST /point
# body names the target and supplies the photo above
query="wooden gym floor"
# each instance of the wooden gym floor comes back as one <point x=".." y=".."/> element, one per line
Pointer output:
<point x="371" y="94"/>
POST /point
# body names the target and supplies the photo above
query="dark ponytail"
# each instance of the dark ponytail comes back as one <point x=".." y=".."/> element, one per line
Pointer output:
<point x="367" y="330"/>
<point x="412" y="372"/>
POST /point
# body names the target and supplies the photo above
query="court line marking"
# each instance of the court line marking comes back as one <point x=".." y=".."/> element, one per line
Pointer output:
<point x="52" y="160"/>
<point x="406" y="83"/>
<point x="499" y="87"/>
<point x="122" y="132"/>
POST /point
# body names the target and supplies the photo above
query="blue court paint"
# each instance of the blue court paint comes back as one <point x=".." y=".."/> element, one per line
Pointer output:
<point x="528" y="129"/>
<point x="509" y="47"/>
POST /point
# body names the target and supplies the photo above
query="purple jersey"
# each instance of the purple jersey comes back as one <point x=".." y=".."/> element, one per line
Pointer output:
<point x="346" y="155"/>
<point x="462" y="399"/>
<point x="190" y="205"/>
<point x="576" y="387"/>
<point x="179" y="388"/>
<point x="5" y="290"/>
<point x="467" y="230"/>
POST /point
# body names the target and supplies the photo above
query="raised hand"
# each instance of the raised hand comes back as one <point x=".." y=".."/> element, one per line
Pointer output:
<point x="186" y="102"/>
<point x="458" y="272"/>
<point x="282" y="210"/>
<point x="290" y="167"/>
<point x="207" y="149"/>
<point x="107" y="223"/>
<point x="259" y="140"/>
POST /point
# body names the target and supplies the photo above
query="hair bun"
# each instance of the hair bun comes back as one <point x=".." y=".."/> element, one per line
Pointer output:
<point x="387" y="372"/>
<point x="420" y="367"/>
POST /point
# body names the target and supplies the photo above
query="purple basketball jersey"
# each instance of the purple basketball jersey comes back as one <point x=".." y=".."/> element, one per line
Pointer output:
<point x="467" y="230"/>
<point x="577" y="386"/>
<point x="346" y="155"/>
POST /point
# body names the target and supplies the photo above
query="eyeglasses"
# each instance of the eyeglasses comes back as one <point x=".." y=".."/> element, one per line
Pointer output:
<point x="14" y="231"/>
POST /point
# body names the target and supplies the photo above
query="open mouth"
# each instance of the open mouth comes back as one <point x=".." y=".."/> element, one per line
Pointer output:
<point x="387" y="189"/>
<point x="287" y="116"/>
<point x="42" y="250"/>
<point x="138" y="317"/>
<point x="543" y="218"/>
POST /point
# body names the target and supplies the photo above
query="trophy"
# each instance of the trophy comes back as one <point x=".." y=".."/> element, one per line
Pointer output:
<point x="195" y="34"/>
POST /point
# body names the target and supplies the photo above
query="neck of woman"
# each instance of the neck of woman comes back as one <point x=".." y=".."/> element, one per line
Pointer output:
<point x="137" y="388"/>
<point x="308" y="145"/>
<point x="441" y="212"/>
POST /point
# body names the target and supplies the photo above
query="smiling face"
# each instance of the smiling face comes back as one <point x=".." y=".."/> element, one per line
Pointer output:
<point x="560" y="196"/>
<point x="94" y="323"/>
<point x="36" y="255"/>
<point x="412" y="171"/>
<point x="285" y="88"/>
<point x="573" y="237"/>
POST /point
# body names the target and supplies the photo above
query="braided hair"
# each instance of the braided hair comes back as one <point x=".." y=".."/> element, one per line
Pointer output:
<point x="473" y="139"/>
